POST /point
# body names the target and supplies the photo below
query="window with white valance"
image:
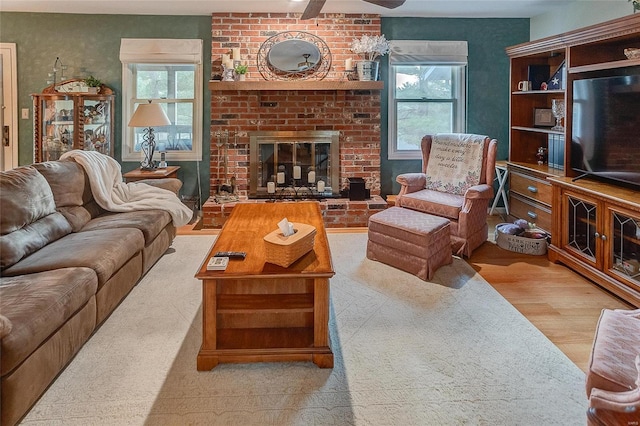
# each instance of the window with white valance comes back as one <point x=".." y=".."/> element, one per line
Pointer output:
<point x="427" y="92"/>
<point x="168" y="72"/>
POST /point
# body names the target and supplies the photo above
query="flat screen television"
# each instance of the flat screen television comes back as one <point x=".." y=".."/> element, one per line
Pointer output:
<point x="606" y="129"/>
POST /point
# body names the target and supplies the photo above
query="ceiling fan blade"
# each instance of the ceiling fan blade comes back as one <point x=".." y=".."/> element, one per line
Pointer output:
<point x="389" y="4"/>
<point x="313" y="9"/>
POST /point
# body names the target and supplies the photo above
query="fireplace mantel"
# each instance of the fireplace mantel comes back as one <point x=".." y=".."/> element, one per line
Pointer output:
<point x="296" y="85"/>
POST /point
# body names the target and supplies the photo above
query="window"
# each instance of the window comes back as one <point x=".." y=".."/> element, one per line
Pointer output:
<point x="167" y="72"/>
<point x="428" y="93"/>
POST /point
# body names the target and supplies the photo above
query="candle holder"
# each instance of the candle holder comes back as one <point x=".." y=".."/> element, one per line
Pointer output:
<point x="351" y="75"/>
<point x="296" y="190"/>
<point x="227" y="74"/>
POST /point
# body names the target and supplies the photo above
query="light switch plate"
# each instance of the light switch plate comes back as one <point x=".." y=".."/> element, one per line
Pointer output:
<point x="25" y="113"/>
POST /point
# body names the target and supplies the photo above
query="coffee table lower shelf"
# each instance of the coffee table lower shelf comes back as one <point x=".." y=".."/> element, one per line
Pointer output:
<point x="239" y="345"/>
<point x="266" y="338"/>
<point x="289" y="324"/>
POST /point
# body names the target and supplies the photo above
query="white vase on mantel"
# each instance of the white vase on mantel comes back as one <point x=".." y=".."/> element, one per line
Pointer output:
<point x="367" y="70"/>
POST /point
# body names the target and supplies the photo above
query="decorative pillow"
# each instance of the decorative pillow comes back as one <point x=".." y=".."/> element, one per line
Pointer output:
<point x="455" y="162"/>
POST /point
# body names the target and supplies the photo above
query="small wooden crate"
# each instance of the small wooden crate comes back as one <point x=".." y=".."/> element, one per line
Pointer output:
<point x="283" y="251"/>
<point x="534" y="246"/>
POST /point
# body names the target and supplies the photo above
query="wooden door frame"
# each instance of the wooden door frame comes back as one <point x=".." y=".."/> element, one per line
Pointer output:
<point x="9" y="76"/>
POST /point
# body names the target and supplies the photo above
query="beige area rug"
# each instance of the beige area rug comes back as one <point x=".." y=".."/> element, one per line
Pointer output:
<point x="407" y="352"/>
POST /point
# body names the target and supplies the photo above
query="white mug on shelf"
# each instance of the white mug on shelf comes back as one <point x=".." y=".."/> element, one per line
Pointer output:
<point x="524" y="86"/>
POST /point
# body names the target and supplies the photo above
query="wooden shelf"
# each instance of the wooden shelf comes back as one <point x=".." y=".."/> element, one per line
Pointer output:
<point x="541" y="168"/>
<point x="615" y="194"/>
<point x="538" y="130"/>
<point x="251" y="303"/>
<point x="296" y="85"/>
<point x="538" y="92"/>
<point x="265" y="338"/>
<point x="605" y="66"/>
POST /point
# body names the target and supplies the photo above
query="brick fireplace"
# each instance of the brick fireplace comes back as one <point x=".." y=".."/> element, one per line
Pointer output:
<point x="242" y="110"/>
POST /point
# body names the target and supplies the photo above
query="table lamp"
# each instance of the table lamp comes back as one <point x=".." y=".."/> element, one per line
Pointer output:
<point x="148" y="116"/>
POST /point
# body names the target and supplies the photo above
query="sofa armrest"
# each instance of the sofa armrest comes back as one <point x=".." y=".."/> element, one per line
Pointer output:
<point x="411" y="182"/>
<point x="170" y="184"/>
<point x="625" y="402"/>
<point x="621" y="402"/>
<point x="482" y="191"/>
<point x="632" y="313"/>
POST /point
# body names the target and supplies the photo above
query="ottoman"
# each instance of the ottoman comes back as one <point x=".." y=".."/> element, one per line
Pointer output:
<point x="415" y="242"/>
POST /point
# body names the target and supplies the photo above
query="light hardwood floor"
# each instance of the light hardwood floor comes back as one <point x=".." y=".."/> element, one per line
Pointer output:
<point x="563" y="305"/>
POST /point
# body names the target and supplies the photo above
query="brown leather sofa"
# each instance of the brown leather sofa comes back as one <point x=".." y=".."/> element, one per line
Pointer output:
<point x="65" y="265"/>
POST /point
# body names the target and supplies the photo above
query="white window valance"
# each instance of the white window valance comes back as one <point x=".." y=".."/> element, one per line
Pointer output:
<point x="160" y="50"/>
<point x="420" y="52"/>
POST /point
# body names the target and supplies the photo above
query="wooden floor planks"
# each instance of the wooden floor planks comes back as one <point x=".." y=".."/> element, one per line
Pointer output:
<point x="563" y="305"/>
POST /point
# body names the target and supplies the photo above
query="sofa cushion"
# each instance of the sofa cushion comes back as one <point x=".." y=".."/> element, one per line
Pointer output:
<point x="455" y="162"/>
<point x="150" y="222"/>
<point x="37" y="305"/>
<point x="5" y="326"/>
<point x="616" y="344"/>
<point x="29" y="220"/>
<point x="433" y="202"/>
<point x="103" y="250"/>
<point x="71" y="191"/>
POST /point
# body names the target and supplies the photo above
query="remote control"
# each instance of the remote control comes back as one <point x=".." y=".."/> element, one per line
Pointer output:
<point x="231" y="254"/>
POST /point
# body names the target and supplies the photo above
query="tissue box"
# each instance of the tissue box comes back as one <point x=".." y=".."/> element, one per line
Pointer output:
<point x="283" y="251"/>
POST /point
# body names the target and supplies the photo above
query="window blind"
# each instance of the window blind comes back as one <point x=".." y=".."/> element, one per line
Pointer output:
<point x="160" y="50"/>
<point x="423" y="52"/>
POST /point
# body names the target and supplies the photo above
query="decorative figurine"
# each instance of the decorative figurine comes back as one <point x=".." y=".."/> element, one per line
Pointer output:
<point x="541" y="155"/>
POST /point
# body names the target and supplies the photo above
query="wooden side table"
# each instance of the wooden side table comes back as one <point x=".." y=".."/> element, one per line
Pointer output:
<point x="502" y="174"/>
<point x="137" y="174"/>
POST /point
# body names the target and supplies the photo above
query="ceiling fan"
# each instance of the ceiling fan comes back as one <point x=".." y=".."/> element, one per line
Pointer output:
<point x="315" y="6"/>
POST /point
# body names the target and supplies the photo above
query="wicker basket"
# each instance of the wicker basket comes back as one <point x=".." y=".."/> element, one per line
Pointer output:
<point x="283" y="251"/>
<point x="535" y="246"/>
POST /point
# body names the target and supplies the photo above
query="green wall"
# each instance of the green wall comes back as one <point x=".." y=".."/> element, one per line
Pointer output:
<point x="90" y="45"/>
<point x="487" y="73"/>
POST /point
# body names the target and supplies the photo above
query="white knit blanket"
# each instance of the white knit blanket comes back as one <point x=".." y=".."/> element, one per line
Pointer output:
<point x="112" y="194"/>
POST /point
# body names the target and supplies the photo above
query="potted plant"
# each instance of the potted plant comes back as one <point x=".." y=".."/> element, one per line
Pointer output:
<point x="636" y="5"/>
<point x="93" y="84"/>
<point x="370" y="47"/>
<point x="241" y="71"/>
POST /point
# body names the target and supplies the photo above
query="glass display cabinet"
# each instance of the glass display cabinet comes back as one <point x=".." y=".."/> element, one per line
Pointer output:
<point x="597" y="232"/>
<point x="606" y="237"/>
<point x="625" y="245"/>
<point x="69" y="115"/>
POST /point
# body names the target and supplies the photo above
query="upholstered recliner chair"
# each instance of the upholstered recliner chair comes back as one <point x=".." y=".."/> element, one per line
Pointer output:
<point x="455" y="183"/>
<point x="613" y="372"/>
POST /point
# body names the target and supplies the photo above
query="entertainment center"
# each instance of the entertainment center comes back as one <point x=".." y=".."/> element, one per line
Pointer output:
<point x="586" y="193"/>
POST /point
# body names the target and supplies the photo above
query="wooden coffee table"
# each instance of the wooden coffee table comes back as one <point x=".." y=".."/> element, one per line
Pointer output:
<point x="260" y="312"/>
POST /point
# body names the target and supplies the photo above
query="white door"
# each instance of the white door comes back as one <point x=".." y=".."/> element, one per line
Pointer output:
<point x="8" y="107"/>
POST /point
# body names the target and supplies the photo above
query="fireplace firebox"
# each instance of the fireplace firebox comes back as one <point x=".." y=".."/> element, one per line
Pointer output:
<point x="294" y="162"/>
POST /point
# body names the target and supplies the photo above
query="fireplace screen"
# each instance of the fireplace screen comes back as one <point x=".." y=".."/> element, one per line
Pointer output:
<point x="295" y="162"/>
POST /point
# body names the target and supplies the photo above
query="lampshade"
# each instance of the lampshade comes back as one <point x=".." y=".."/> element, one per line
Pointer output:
<point x="149" y="115"/>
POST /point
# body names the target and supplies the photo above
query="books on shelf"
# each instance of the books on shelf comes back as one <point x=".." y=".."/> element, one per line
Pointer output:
<point x="217" y="264"/>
